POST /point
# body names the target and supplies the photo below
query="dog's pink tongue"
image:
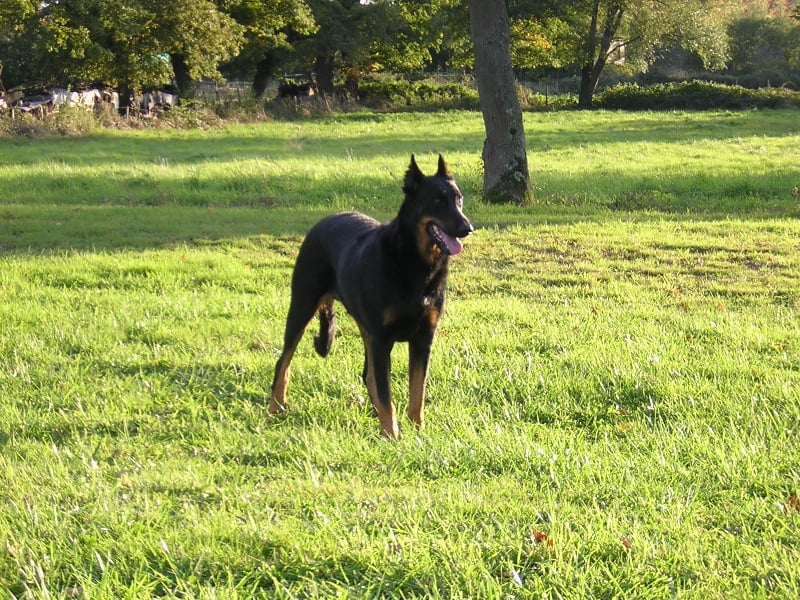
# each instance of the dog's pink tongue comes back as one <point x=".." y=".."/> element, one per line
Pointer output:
<point x="454" y="246"/>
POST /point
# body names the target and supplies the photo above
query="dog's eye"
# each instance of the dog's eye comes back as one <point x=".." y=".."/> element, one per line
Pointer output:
<point x="459" y="202"/>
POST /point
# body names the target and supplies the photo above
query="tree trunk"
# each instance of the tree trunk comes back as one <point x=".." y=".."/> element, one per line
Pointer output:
<point x="324" y="67"/>
<point x="590" y="76"/>
<point x="183" y="81"/>
<point x="264" y="70"/>
<point x="505" y="159"/>
<point x="597" y="48"/>
<point x="586" y="91"/>
<point x="128" y="100"/>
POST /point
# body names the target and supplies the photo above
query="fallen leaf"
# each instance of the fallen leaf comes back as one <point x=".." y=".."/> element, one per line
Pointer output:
<point x="540" y="537"/>
<point x="627" y="543"/>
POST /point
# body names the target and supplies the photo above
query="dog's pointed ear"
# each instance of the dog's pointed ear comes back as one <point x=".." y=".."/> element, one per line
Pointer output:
<point x="444" y="170"/>
<point x="413" y="176"/>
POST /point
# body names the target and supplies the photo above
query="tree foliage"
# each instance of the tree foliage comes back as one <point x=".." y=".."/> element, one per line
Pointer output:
<point x="197" y="36"/>
<point x="767" y="45"/>
<point x="590" y="34"/>
<point x="355" y="37"/>
<point x="122" y="43"/>
<point x="541" y="42"/>
<point x="270" y="28"/>
<point x="140" y="43"/>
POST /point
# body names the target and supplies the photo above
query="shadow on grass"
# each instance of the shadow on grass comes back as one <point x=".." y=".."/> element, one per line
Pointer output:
<point x="319" y="140"/>
<point x="38" y="229"/>
<point x="26" y="230"/>
<point x="68" y="206"/>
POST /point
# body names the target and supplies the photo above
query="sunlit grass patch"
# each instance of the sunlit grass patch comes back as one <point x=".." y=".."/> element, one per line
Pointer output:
<point x="613" y="403"/>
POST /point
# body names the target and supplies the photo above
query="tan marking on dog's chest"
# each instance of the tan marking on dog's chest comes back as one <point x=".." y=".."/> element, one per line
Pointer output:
<point x="427" y="248"/>
<point x="430" y="314"/>
<point x="389" y="317"/>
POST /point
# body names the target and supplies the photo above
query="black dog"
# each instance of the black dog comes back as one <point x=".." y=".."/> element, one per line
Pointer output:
<point x="391" y="278"/>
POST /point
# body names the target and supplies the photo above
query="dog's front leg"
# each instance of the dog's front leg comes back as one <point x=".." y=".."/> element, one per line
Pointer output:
<point x="419" y="352"/>
<point x="378" y="368"/>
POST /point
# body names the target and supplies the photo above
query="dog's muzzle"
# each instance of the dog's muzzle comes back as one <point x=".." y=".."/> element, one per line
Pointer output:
<point x="449" y="244"/>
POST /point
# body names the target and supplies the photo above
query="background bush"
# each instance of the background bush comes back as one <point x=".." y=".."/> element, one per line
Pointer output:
<point x="389" y="92"/>
<point x="694" y="95"/>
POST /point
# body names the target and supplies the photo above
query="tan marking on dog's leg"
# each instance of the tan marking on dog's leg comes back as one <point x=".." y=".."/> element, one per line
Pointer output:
<point x="433" y="315"/>
<point x="386" y="416"/>
<point x="296" y="324"/>
<point x="417" y="377"/>
<point x="379" y="392"/>
<point x="419" y="352"/>
<point x="277" y="400"/>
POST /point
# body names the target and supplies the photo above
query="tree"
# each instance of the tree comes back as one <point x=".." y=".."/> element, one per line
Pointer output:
<point x="14" y="14"/>
<point x="639" y="28"/>
<point x="271" y="27"/>
<point x="128" y="43"/>
<point x="765" y="46"/>
<point x="43" y="42"/>
<point x="402" y="34"/>
<point x="455" y="49"/>
<point x="589" y="34"/>
<point x="197" y="37"/>
<point x="355" y="37"/>
<point x="505" y="160"/>
<point x="537" y="43"/>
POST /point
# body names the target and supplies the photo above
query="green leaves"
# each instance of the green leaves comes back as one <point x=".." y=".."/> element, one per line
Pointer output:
<point x="537" y="43"/>
<point x="119" y="43"/>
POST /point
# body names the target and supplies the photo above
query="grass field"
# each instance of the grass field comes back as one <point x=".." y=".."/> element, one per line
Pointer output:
<point x="614" y="402"/>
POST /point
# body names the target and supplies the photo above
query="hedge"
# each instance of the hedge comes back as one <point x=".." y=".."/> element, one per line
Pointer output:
<point x="694" y="95"/>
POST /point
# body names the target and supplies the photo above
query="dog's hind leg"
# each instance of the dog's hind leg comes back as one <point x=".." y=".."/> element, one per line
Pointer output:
<point x="327" y="327"/>
<point x="377" y="371"/>
<point x="301" y="311"/>
<point x="312" y="288"/>
<point x="277" y="400"/>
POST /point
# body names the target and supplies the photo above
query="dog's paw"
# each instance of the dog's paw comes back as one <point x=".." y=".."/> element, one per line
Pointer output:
<point x="276" y="408"/>
<point x="391" y="432"/>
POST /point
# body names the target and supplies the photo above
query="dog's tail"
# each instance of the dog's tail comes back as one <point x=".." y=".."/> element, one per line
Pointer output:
<point x="327" y="322"/>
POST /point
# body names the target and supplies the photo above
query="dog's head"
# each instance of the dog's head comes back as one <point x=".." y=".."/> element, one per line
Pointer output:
<point x="433" y="209"/>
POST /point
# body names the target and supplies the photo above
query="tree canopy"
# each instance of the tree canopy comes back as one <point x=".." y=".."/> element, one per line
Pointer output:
<point x="133" y="44"/>
<point x="128" y="44"/>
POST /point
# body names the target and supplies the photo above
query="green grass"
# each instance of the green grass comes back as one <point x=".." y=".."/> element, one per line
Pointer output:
<point x="614" y="402"/>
